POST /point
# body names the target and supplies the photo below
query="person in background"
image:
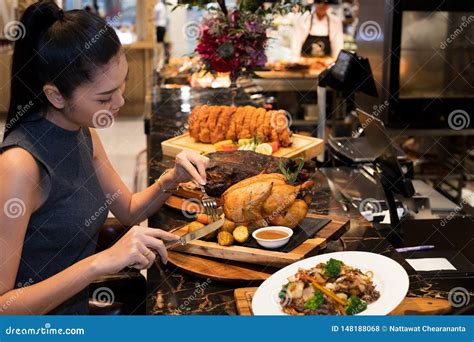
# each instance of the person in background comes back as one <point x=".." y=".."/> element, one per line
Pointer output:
<point x="318" y="33"/>
<point x="160" y="17"/>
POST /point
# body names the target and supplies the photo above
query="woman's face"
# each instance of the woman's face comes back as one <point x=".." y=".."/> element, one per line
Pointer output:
<point x="97" y="103"/>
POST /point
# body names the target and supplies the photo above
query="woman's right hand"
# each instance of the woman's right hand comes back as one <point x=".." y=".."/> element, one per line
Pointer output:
<point x="138" y="248"/>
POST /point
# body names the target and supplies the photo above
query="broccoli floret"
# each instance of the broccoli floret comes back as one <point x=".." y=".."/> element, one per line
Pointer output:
<point x="333" y="268"/>
<point x="282" y="293"/>
<point x="315" y="301"/>
<point x="355" y="305"/>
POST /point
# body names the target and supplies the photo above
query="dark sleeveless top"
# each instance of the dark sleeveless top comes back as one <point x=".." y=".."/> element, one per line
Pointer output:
<point x="65" y="228"/>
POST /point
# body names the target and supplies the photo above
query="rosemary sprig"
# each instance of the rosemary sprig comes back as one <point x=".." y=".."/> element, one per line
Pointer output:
<point x="291" y="177"/>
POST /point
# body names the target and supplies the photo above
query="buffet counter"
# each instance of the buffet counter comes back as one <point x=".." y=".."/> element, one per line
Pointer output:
<point x="183" y="291"/>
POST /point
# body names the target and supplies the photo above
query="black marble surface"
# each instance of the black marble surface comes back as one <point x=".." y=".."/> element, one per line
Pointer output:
<point x="174" y="292"/>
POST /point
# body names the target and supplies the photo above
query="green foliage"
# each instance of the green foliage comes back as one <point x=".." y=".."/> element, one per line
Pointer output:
<point x="291" y="176"/>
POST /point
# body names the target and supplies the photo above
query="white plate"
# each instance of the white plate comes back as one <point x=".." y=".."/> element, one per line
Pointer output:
<point x="390" y="279"/>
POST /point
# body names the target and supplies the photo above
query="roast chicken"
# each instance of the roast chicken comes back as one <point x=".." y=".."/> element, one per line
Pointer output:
<point x="266" y="199"/>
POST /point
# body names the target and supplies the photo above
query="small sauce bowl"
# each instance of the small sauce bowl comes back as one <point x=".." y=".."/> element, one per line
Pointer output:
<point x="274" y="241"/>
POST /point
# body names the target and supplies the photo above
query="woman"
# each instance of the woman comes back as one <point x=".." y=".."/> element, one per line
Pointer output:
<point x="56" y="183"/>
<point x="317" y="33"/>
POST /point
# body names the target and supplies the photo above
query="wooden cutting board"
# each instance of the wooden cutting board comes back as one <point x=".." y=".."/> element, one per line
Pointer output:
<point x="409" y="306"/>
<point x="218" y="269"/>
<point x="304" y="146"/>
<point x="261" y="256"/>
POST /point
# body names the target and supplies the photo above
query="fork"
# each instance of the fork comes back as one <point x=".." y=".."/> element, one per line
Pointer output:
<point x="210" y="204"/>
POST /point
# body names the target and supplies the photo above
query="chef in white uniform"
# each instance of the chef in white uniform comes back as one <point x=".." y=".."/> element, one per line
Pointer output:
<point x="317" y="33"/>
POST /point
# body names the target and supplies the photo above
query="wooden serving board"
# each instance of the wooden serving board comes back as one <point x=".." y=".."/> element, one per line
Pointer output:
<point x="409" y="306"/>
<point x="334" y="229"/>
<point x="304" y="146"/>
<point x="219" y="270"/>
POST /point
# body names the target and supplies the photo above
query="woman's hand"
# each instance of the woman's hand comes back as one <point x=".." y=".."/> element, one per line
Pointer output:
<point x="190" y="165"/>
<point x="138" y="248"/>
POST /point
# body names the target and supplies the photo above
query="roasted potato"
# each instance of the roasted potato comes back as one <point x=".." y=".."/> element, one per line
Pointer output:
<point x="194" y="226"/>
<point x="241" y="234"/>
<point x="228" y="226"/>
<point x="225" y="239"/>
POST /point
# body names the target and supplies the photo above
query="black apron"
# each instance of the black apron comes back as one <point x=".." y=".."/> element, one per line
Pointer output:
<point x="316" y="46"/>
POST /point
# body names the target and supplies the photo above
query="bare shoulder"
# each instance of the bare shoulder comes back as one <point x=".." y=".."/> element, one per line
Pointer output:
<point x="16" y="161"/>
<point x="20" y="175"/>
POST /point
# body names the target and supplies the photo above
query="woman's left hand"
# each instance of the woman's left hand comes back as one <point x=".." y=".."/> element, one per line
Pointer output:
<point x="190" y="165"/>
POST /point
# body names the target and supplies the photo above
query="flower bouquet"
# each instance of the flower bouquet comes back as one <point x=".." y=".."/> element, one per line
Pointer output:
<point x="234" y="41"/>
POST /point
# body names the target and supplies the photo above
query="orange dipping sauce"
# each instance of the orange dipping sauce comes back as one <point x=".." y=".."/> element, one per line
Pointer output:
<point x="271" y="235"/>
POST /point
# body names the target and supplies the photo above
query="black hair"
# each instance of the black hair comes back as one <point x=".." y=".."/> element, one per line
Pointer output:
<point x="60" y="48"/>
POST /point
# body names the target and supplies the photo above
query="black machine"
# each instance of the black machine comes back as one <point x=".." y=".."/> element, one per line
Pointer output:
<point x="421" y="54"/>
<point x="386" y="163"/>
<point x="411" y="232"/>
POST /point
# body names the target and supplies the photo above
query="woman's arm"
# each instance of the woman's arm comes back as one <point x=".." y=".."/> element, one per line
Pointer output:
<point x="19" y="186"/>
<point x="132" y="208"/>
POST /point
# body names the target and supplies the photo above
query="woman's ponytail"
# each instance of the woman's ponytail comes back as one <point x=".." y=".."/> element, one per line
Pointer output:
<point x="26" y="89"/>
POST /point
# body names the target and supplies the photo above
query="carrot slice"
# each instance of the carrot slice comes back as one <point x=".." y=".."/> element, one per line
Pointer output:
<point x="323" y="289"/>
<point x="202" y="218"/>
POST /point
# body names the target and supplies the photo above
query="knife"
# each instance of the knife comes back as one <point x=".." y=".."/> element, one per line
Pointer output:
<point x="183" y="240"/>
